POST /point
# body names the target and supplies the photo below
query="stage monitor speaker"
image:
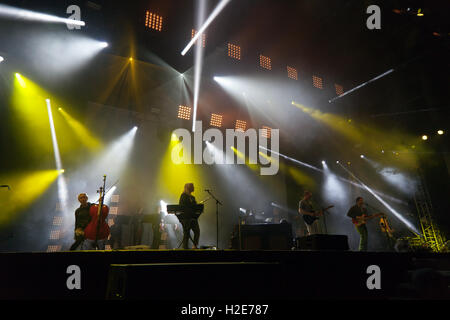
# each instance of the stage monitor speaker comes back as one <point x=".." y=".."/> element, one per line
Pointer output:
<point x="323" y="242"/>
<point x="266" y="236"/>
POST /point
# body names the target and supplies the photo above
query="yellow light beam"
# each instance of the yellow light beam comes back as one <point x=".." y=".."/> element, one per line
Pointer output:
<point x="83" y="134"/>
<point x="173" y="176"/>
<point x="296" y="174"/>
<point x="371" y="138"/>
<point x="21" y="80"/>
<point x="25" y="189"/>
<point x="253" y="167"/>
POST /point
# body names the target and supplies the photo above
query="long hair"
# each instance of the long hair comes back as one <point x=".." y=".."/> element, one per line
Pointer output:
<point x="188" y="187"/>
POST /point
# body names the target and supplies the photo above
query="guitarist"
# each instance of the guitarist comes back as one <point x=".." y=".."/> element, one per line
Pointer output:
<point x="359" y="217"/>
<point x="305" y="208"/>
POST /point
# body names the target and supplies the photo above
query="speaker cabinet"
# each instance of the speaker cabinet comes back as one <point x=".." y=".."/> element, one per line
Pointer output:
<point x="266" y="236"/>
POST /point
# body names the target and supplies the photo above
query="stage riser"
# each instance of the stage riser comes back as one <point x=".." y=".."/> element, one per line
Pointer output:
<point x="279" y="274"/>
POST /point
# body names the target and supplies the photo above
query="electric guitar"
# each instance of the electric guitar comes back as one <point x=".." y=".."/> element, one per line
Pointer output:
<point x="310" y="219"/>
<point x="386" y="228"/>
<point x="360" y="220"/>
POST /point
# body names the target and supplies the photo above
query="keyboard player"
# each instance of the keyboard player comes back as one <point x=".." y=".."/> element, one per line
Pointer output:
<point x="189" y="221"/>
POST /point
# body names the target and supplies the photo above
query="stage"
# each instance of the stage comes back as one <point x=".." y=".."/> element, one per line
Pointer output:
<point x="283" y="136"/>
<point x="216" y="275"/>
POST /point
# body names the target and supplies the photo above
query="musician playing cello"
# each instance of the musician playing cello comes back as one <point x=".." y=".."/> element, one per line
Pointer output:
<point x="190" y="219"/>
<point x="82" y="219"/>
<point x="97" y="231"/>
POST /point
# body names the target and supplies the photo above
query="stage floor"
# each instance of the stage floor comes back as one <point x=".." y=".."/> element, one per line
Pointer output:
<point x="222" y="274"/>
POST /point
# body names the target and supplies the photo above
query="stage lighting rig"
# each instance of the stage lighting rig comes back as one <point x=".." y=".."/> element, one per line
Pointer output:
<point x="234" y="51"/>
<point x="184" y="112"/>
<point x="317" y="82"/>
<point x="265" y="62"/>
<point x="216" y="120"/>
<point x="292" y="73"/>
<point x="240" y="125"/>
<point x="153" y="21"/>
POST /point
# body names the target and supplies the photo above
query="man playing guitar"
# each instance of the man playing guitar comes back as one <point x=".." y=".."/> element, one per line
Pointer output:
<point x="359" y="217"/>
<point x="305" y="208"/>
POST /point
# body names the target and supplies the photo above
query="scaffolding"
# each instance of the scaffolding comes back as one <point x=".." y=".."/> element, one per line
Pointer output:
<point x="431" y="236"/>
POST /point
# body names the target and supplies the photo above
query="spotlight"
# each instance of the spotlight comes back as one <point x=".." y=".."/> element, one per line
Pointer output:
<point x="337" y="162"/>
<point x="21" y="81"/>
<point x="103" y="44"/>
<point x="184" y="112"/>
<point x="135" y="128"/>
<point x="131" y="59"/>
<point x="182" y="75"/>
<point x="1" y="59"/>
<point x="420" y="13"/>
<point x="323" y="162"/>
<point x="424" y="137"/>
<point x="440" y="132"/>
<point x="216" y="120"/>
<point x="362" y="156"/>
<point x="216" y="78"/>
<point x="62" y="171"/>
<point x="349" y="163"/>
<point x="59" y="109"/>
<point x="163" y="206"/>
<point x="153" y="21"/>
<point x="382" y="151"/>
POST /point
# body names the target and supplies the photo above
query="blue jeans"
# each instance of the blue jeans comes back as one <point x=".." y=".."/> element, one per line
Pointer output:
<point x="90" y="244"/>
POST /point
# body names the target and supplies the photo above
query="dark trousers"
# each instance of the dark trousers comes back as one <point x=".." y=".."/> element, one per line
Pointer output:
<point x="76" y="244"/>
<point x="188" y="225"/>
<point x="156" y="236"/>
<point x="362" y="230"/>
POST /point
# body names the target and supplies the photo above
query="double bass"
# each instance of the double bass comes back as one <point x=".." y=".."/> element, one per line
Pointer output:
<point x="98" y="228"/>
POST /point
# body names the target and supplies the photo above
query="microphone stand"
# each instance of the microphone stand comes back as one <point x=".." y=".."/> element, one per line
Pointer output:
<point x="217" y="217"/>
<point x="325" y="222"/>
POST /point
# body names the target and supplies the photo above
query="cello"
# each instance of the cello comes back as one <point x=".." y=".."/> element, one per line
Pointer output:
<point x="98" y="228"/>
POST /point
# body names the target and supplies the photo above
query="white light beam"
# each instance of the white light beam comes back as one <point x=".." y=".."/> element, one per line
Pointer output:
<point x="8" y="11"/>
<point x="210" y="19"/>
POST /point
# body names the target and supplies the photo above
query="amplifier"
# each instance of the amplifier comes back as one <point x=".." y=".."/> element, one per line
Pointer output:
<point x="266" y="236"/>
